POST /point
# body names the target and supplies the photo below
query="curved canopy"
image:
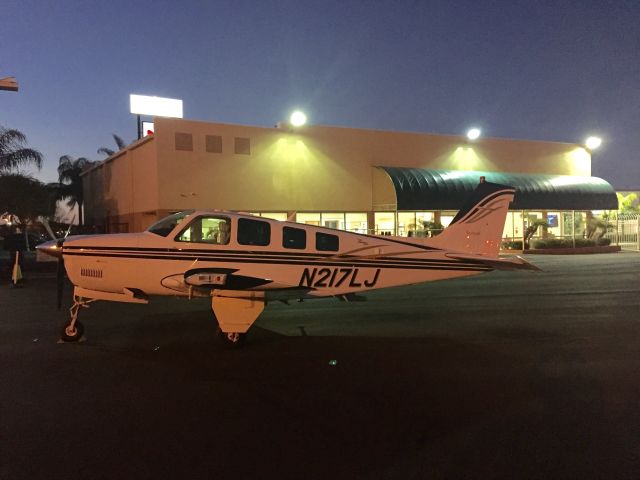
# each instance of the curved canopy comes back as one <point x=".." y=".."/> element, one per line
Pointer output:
<point x="425" y="189"/>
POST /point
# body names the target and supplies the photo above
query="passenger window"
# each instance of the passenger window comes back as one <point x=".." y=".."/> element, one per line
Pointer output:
<point x="253" y="232"/>
<point x="326" y="242"/>
<point x="212" y="230"/>
<point x="294" y="238"/>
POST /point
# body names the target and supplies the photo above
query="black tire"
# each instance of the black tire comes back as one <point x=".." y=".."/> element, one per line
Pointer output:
<point x="232" y="339"/>
<point x="72" y="336"/>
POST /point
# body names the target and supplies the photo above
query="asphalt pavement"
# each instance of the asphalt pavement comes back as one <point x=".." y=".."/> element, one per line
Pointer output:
<point x="504" y="375"/>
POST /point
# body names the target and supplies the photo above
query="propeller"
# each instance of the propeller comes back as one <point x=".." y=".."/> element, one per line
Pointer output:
<point x="60" y="274"/>
<point x="57" y="251"/>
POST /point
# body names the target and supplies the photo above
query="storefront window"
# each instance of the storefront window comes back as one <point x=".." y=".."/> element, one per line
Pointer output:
<point x="581" y="222"/>
<point x="308" y="218"/>
<point x="356" y="222"/>
<point x="275" y="215"/>
<point x="555" y="225"/>
<point x="407" y="224"/>
<point x="333" y="220"/>
<point x="509" y="231"/>
<point x="446" y="218"/>
<point x="385" y="223"/>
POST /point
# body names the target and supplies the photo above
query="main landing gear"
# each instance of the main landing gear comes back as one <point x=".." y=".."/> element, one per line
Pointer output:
<point x="235" y="315"/>
<point x="232" y="339"/>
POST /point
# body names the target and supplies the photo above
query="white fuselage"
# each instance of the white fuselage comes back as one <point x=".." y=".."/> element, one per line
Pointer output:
<point x="162" y="265"/>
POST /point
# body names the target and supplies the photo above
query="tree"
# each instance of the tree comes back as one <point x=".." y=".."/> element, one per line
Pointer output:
<point x="108" y="151"/>
<point x="26" y="197"/>
<point x="70" y="186"/>
<point x="628" y="203"/>
<point x="14" y="153"/>
<point x="531" y="230"/>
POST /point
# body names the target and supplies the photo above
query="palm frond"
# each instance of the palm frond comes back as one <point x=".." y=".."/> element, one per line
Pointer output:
<point x="11" y="137"/>
<point x="13" y="153"/>
<point x="18" y="158"/>
<point x="119" y="141"/>
<point x="106" y="151"/>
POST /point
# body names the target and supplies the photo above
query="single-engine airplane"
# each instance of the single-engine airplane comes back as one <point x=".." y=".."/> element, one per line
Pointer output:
<point x="242" y="261"/>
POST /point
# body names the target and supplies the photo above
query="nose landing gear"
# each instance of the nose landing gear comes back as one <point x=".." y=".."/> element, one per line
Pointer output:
<point x="73" y="331"/>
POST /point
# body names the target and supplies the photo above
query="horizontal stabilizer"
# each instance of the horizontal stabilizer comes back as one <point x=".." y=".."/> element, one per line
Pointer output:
<point x="509" y="263"/>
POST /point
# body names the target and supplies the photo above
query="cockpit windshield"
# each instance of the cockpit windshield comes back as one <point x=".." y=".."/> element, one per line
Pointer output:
<point x="165" y="226"/>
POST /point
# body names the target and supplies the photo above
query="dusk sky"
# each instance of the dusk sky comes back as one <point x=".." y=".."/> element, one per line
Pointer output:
<point x="541" y="70"/>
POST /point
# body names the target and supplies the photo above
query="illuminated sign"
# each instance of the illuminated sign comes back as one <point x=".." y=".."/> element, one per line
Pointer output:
<point x="156" y="106"/>
<point x="147" y="128"/>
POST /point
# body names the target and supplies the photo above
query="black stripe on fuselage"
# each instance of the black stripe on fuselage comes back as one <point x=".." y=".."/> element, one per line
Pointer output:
<point x="259" y="258"/>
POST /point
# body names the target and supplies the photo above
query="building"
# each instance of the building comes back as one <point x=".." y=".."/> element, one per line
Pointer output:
<point x="359" y="180"/>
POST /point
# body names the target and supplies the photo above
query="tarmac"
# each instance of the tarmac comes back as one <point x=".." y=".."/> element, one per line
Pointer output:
<point x="505" y="375"/>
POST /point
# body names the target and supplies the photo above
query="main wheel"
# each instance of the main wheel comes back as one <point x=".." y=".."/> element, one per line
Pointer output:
<point x="232" y="339"/>
<point x="74" y="334"/>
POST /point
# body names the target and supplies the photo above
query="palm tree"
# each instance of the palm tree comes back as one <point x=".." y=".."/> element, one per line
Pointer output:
<point x="13" y="153"/>
<point x="108" y="151"/>
<point x="70" y="186"/>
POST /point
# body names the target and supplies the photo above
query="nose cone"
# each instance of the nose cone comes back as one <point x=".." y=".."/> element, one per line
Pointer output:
<point x="51" y="248"/>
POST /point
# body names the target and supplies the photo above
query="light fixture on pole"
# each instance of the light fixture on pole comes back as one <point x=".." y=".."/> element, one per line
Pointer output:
<point x="474" y="133"/>
<point x="593" y="142"/>
<point x="298" y="119"/>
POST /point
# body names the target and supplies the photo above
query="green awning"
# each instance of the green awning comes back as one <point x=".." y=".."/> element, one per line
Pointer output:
<point x="426" y="189"/>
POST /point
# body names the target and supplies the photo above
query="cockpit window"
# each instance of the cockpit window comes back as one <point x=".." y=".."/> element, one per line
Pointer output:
<point x="207" y="229"/>
<point x="165" y="226"/>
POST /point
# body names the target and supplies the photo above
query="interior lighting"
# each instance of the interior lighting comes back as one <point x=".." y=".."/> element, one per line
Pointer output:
<point x="593" y="143"/>
<point x="298" y="119"/>
<point x="474" y="133"/>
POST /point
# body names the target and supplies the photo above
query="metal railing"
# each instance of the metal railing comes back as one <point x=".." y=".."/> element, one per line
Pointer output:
<point x="625" y="231"/>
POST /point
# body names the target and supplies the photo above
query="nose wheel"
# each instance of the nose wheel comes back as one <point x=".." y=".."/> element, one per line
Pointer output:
<point x="73" y="330"/>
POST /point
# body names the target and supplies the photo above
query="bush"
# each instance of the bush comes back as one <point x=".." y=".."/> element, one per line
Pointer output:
<point x="585" y="242"/>
<point x="568" y="242"/>
<point x="552" y="243"/>
<point x="512" y="245"/>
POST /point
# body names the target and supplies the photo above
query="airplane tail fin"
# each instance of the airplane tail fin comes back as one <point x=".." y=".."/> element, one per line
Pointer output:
<point x="478" y="226"/>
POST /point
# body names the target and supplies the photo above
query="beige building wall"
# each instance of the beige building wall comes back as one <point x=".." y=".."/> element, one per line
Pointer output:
<point x="327" y="168"/>
<point x="315" y="168"/>
<point x="124" y="189"/>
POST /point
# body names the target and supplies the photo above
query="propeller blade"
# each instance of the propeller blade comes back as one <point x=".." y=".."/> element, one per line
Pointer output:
<point x="70" y="225"/>
<point x="60" y="275"/>
<point x="48" y="229"/>
<point x="60" y="281"/>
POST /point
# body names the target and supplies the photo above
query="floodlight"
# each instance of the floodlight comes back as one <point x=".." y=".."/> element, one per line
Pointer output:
<point x="474" y="133"/>
<point x="593" y="142"/>
<point x="298" y="119"/>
